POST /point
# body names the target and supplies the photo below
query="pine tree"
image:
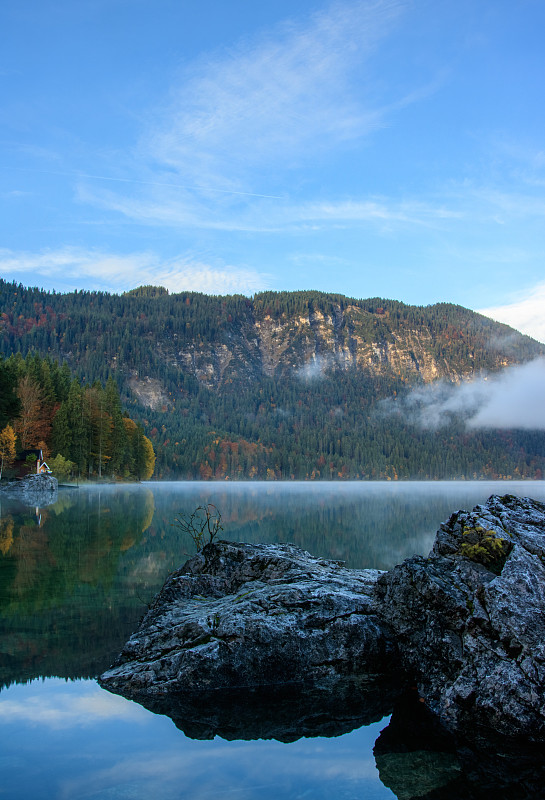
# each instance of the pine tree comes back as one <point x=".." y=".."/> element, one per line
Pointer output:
<point x="118" y="437"/>
<point x="79" y="426"/>
<point x="101" y="425"/>
<point x="139" y="453"/>
<point x="61" y="431"/>
<point x="9" y="402"/>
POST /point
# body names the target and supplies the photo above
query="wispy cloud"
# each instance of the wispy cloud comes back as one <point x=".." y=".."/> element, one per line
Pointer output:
<point x="69" y="267"/>
<point x="241" y="122"/>
<point x="381" y="210"/>
<point x="274" y="215"/>
<point x="240" y="770"/>
<point x="282" y="97"/>
<point x="525" y="313"/>
<point x="315" y="368"/>
<point x="509" y="204"/>
<point x="525" y="160"/>
<point x="511" y="399"/>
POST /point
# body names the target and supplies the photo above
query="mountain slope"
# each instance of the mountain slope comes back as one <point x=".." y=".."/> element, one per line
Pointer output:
<point x="280" y="385"/>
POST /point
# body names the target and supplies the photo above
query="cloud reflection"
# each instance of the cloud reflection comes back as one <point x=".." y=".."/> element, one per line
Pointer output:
<point x="241" y="770"/>
<point x="61" y="708"/>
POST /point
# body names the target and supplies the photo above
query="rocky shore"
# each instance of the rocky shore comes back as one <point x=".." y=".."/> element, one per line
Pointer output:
<point x="254" y="627"/>
<point x="33" y="490"/>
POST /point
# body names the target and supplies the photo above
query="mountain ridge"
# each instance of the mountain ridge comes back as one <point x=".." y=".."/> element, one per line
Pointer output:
<point x="281" y="384"/>
<point x="216" y="338"/>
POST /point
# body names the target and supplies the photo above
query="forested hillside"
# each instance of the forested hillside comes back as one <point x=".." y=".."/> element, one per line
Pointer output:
<point x="281" y="385"/>
<point x="80" y="429"/>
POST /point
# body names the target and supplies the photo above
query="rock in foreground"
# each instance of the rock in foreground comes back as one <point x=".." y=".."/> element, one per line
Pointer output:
<point x="465" y="625"/>
<point x="470" y="620"/>
<point x="254" y="616"/>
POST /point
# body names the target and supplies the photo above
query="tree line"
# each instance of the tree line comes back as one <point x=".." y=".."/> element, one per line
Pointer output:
<point x="81" y="429"/>
<point x="331" y="429"/>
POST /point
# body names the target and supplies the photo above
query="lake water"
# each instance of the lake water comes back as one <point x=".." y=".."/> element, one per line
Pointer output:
<point x="75" y="578"/>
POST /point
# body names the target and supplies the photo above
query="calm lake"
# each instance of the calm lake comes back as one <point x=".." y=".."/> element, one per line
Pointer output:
<point x="75" y="578"/>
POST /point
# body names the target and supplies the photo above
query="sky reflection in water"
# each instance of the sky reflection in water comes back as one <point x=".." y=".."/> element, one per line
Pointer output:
<point x="71" y="740"/>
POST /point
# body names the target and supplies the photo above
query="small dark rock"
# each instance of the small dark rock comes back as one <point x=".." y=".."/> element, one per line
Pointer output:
<point x="32" y="490"/>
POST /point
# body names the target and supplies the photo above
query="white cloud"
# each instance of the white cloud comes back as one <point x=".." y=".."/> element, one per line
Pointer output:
<point x="70" y="268"/>
<point x="527" y="314"/>
<point x="512" y="398"/>
<point x="274" y="215"/>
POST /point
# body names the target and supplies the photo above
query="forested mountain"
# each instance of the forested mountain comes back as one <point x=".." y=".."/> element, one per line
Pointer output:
<point x="282" y="385"/>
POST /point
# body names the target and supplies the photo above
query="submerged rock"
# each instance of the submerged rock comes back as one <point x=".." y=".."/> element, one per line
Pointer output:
<point x="33" y="490"/>
<point x="466" y="626"/>
<point x="419" y="760"/>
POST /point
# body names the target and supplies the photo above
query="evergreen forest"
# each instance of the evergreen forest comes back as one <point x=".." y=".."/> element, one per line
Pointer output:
<point x="281" y="386"/>
<point x="81" y="429"/>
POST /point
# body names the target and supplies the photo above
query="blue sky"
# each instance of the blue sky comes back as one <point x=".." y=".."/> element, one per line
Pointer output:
<point x="376" y="148"/>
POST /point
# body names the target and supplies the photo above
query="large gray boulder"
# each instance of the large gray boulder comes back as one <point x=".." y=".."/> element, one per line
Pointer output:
<point x="255" y="616"/>
<point x="469" y="620"/>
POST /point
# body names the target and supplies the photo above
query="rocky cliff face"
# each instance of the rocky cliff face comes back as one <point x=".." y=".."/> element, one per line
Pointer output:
<point x="345" y="337"/>
<point x="309" y="344"/>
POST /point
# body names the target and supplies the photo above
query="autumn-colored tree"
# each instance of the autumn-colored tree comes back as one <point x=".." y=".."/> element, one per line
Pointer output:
<point x="144" y="456"/>
<point x="44" y="447"/>
<point x="149" y="459"/>
<point x="7" y="448"/>
<point x="142" y="452"/>
<point x="33" y="423"/>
